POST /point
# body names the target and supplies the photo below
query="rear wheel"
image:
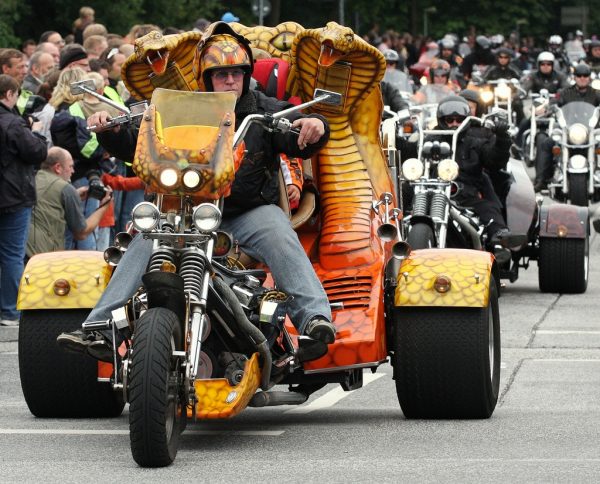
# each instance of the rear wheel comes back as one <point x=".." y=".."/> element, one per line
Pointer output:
<point x="578" y="183"/>
<point x="56" y="383"/>
<point x="447" y="360"/>
<point x="421" y="236"/>
<point x="563" y="265"/>
<point x="156" y="416"/>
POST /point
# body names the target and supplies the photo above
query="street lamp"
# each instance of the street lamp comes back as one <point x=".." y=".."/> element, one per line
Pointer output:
<point x="426" y="13"/>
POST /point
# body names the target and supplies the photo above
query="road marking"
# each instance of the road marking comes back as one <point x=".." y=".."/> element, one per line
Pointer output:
<point x="260" y="433"/>
<point x="567" y="360"/>
<point x="556" y="331"/>
<point x="333" y="396"/>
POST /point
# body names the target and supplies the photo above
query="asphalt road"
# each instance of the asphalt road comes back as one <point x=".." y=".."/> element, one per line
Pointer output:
<point x="545" y="428"/>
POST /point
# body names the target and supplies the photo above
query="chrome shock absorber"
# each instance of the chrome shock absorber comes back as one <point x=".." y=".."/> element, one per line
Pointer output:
<point x="438" y="206"/>
<point x="421" y="204"/>
<point x="191" y="269"/>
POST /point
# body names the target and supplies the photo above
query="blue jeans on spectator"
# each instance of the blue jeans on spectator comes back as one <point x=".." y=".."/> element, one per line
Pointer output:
<point x="128" y="200"/>
<point x="14" y="228"/>
<point x="264" y="233"/>
<point x="88" y="206"/>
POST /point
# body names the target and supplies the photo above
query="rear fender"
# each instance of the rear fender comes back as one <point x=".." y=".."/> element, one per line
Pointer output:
<point x="468" y="271"/>
<point x="86" y="272"/>
<point x="564" y="221"/>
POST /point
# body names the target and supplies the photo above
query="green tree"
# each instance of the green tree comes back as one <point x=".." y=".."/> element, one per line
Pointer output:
<point x="12" y="12"/>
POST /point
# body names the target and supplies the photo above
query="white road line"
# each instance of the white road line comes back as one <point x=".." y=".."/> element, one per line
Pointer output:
<point x="567" y="360"/>
<point x="333" y="396"/>
<point x="557" y="331"/>
<point x="260" y="433"/>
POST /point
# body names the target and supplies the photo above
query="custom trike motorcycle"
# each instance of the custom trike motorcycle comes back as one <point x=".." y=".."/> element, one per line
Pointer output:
<point x="576" y="153"/>
<point x="556" y="235"/>
<point x="206" y="337"/>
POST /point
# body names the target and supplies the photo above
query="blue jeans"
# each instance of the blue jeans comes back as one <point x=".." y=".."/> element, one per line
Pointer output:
<point x="265" y="234"/>
<point x="14" y="228"/>
<point x="87" y="207"/>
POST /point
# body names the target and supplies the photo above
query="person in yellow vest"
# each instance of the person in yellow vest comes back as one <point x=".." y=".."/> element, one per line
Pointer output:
<point x="58" y="206"/>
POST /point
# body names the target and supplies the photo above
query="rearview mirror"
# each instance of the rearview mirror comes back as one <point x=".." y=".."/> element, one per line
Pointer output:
<point x="332" y="99"/>
<point x="81" y="87"/>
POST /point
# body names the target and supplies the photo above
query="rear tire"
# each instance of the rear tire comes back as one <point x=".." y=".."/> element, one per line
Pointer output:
<point x="421" y="236"/>
<point x="154" y="389"/>
<point x="56" y="383"/>
<point x="447" y="360"/>
<point x="563" y="265"/>
<point x="578" y="183"/>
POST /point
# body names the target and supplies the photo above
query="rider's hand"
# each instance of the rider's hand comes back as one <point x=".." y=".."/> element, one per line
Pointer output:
<point x="501" y="127"/>
<point x="311" y="131"/>
<point x="293" y="193"/>
<point x="98" y="120"/>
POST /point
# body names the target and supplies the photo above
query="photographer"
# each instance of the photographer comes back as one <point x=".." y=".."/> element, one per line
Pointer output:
<point x="58" y="204"/>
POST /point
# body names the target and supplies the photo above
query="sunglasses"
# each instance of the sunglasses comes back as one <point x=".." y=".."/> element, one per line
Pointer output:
<point x="223" y="75"/>
<point x="453" y="119"/>
<point x="582" y="75"/>
<point x="546" y="63"/>
<point x="503" y="57"/>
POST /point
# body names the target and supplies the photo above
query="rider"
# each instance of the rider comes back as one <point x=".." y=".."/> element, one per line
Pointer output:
<point x="394" y="73"/>
<point x="439" y="86"/>
<point x="545" y="77"/>
<point x="223" y="63"/>
<point x="581" y="91"/>
<point x="555" y="45"/>
<point x="481" y="55"/>
<point x="503" y="68"/>
<point x="477" y="149"/>
<point x="593" y="57"/>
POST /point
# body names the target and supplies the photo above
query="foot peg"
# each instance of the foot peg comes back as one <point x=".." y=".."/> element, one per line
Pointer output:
<point x="310" y="349"/>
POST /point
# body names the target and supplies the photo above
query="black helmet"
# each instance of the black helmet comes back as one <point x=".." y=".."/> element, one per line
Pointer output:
<point x="452" y="106"/>
<point x="594" y="43"/>
<point x="472" y="96"/>
<point x="504" y="51"/>
<point x="582" y="69"/>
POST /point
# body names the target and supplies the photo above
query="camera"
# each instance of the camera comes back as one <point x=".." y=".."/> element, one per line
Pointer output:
<point x="34" y="104"/>
<point x="97" y="189"/>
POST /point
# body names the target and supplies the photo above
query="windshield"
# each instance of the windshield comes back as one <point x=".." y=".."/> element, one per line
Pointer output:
<point x="578" y="112"/>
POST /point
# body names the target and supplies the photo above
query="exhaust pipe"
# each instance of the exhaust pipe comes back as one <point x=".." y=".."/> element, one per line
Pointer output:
<point x="272" y="399"/>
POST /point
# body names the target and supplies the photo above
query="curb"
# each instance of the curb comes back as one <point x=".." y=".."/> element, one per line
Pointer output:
<point x="9" y="333"/>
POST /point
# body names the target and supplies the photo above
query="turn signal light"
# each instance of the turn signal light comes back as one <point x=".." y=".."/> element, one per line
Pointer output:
<point x="556" y="150"/>
<point x="61" y="287"/>
<point x="562" y="231"/>
<point x="442" y="284"/>
<point x="408" y="127"/>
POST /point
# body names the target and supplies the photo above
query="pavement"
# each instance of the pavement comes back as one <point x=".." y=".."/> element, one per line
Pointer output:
<point x="9" y="334"/>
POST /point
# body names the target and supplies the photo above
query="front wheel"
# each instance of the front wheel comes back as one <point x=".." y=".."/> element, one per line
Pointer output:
<point x="563" y="265"/>
<point x="578" y="191"/>
<point x="447" y="360"/>
<point x="421" y="236"/>
<point x="156" y="413"/>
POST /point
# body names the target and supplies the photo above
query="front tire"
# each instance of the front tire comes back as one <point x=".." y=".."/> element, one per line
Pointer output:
<point x="563" y="265"/>
<point x="447" y="360"/>
<point x="56" y="383"/>
<point x="156" y="415"/>
<point x="578" y="193"/>
<point x="421" y="236"/>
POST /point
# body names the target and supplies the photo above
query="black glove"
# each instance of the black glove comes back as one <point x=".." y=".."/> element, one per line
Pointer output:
<point x="501" y="128"/>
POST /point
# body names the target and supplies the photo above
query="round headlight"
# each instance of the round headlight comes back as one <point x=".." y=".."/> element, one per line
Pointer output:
<point x="207" y="217"/>
<point x="578" y="134"/>
<point x="169" y="177"/>
<point x="486" y="96"/>
<point x="447" y="169"/>
<point x="596" y="83"/>
<point x="412" y="169"/>
<point x="145" y="216"/>
<point x="577" y="162"/>
<point x="191" y="179"/>
<point x="503" y="91"/>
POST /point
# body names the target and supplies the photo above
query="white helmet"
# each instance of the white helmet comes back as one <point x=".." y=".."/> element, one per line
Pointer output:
<point x="555" y="40"/>
<point x="545" y="57"/>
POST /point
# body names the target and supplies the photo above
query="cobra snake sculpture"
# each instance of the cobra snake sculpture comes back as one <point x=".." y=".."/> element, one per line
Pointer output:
<point x="352" y="167"/>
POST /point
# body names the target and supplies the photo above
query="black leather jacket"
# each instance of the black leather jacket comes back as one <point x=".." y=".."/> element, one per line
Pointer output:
<point x="571" y="94"/>
<point x="21" y="152"/>
<point x="536" y="81"/>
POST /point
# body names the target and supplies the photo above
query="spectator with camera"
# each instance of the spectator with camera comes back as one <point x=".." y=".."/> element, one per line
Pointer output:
<point x="58" y="204"/>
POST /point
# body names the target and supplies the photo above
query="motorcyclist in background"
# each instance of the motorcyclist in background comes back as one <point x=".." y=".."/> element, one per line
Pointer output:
<point x="448" y="53"/>
<point x="555" y="45"/>
<point x="523" y="61"/>
<point x="593" y="57"/>
<point x="439" y="85"/>
<point x="502" y="69"/>
<point x="394" y="73"/>
<point x="481" y="55"/>
<point x="544" y="77"/>
<point x="581" y="91"/>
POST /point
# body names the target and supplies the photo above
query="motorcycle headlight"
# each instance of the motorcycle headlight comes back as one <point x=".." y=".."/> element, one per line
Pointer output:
<point x="191" y="179"/>
<point x="578" y="134"/>
<point x="503" y="91"/>
<point x="207" y="217"/>
<point x="486" y="96"/>
<point x="447" y="169"/>
<point x="577" y="162"/>
<point x="412" y="169"/>
<point x="169" y="177"/>
<point x="596" y="83"/>
<point x="557" y="135"/>
<point x="145" y="216"/>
